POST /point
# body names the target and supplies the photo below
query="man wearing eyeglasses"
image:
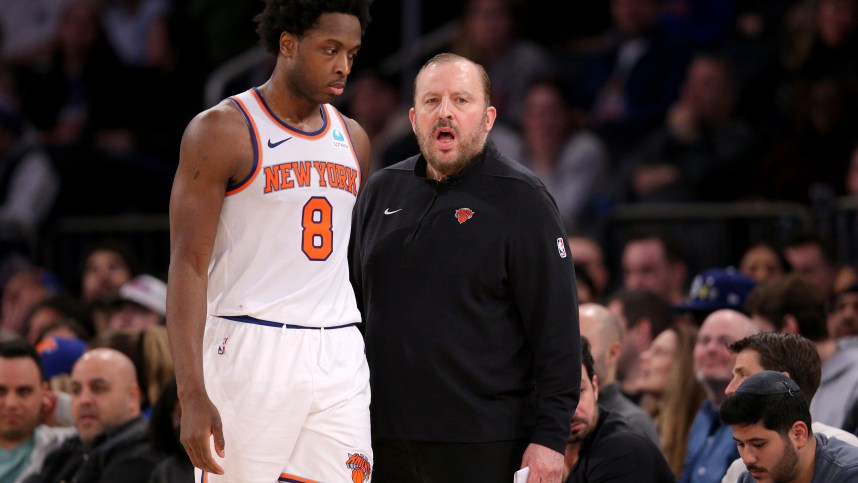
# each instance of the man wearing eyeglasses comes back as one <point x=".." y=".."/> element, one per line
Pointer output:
<point x="711" y="448"/>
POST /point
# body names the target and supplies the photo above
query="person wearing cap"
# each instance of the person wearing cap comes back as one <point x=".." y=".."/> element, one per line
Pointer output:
<point x="793" y="305"/>
<point x="24" y="403"/>
<point x="711" y="449"/>
<point x="793" y="355"/>
<point x="771" y="424"/>
<point x="603" y="445"/>
<point x="141" y="303"/>
<point x="714" y="289"/>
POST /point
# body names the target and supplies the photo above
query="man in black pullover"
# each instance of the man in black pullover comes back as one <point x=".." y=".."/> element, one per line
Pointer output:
<point x="462" y="266"/>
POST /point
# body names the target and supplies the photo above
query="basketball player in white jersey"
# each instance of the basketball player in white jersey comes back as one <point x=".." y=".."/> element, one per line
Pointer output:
<point x="271" y="370"/>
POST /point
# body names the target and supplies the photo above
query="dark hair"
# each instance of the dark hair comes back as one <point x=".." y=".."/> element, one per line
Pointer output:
<point x="18" y="349"/>
<point x="587" y="358"/>
<point x="120" y="247"/>
<point x="449" y="58"/>
<point x="74" y="316"/>
<point x="777" y="412"/>
<point x="642" y="304"/>
<point x="299" y="16"/>
<point x="790" y="353"/>
<point x="794" y="295"/>
<point x="799" y="238"/>
<point x="673" y="249"/>
<point x="162" y="434"/>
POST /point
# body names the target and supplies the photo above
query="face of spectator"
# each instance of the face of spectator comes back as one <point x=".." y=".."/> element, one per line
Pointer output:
<point x="634" y="17"/>
<point x="846" y="315"/>
<point x="713" y="360"/>
<point x="105" y="271"/>
<point x="707" y="91"/>
<point x="761" y="263"/>
<point x="747" y="364"/>
<point x="656" y="363"/>
<point x="489" y="23"/>
<point x="104" y="393"/>
<point x="21" y="393"/>
<point x="133" y="316"/>
<point x="450" y="117"/>
<point x="646" y="267"/>
<point x="544" y="116"/>
<point x="587" y="413"/>
<point x="809" y="261"/>
<point x="768" y="456"/>
<point x="836" y="21"/>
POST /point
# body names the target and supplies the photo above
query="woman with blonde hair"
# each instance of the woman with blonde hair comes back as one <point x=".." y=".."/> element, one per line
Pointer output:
<point x="671" y="393"/>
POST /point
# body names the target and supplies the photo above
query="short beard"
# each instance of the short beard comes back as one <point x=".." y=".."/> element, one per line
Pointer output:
<point x="787" y="466"/>
<point x="472" y="145"/>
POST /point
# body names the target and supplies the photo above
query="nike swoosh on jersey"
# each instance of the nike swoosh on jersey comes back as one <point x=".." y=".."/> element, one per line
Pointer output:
<point x="388" y="212"/>
<point x="278" y="143"/>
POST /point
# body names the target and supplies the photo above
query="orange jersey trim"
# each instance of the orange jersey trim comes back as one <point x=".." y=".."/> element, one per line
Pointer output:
<point x="257" y="153"/>
<point x="352" y="147"/>
<point x="302" y="134"/>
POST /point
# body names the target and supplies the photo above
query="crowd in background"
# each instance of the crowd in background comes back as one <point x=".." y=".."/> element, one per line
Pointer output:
<point x="627" y="101"/>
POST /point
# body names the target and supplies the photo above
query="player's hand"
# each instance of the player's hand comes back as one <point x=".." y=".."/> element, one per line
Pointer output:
<point x="546" y="465"/>
<point x="200" y="422"/>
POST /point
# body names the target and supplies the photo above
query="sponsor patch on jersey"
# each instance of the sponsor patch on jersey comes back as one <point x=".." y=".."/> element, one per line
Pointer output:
<point x="561" y="248"/>
<point x="361" y="469"/>
<point x="464" y="214"/>
<point x="339" y="139"/>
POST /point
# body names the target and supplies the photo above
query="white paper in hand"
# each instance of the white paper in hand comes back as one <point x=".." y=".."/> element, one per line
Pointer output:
<point x="521" y="475"/>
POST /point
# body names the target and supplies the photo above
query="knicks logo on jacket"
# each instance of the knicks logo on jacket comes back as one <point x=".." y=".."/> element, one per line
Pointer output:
<point x="300" y="174"/>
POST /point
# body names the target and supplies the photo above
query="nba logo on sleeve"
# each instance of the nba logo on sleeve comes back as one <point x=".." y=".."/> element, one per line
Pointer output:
<point x="561" y="248"/>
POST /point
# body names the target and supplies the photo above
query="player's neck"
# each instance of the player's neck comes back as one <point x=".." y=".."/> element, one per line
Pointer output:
<point x="289" y="108"/>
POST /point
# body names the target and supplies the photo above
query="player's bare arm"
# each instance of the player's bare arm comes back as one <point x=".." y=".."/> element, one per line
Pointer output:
<point x="362" y="147"/>
<point x="215" y="149"/>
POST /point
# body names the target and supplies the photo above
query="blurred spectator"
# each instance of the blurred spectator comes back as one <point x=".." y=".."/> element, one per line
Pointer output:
<point x="794" y="356"/>
<point x="703" y="150"/>
<point x="24" y="402"/>
<point x="845" y="313"/>
<point x="141" y="303"/>
<point x="584" y="286"/>
<point x="715" y="289"/>
<point x="602" y="329"/>
<point x="374" y="102"/>
<point x="653" y="260"/>
<point x="107" y="266"/>
<point x="625" y="89"/>
<point x="164" y="433"/>
<point x="643" y="316"/>
<point x="22" y="291"/>
<point x="136" y="29"/>
<point x="762" y="262"/>
<point x="711" y="448"/>
<point x="112" y="443"/>
<point x="815" y="257"/>
<point x="589" y="256"/>
<point x="792" y="305"/>
<point x="54" y="314"/>
<point x="851" y="181"/>
<point x="29" y="183"/>
<point x="671" y="393"/>
<point x="571" y="162"/>
<point x="602" y="445"/>
<point x="28" y="29"/>
<point x="822" y="39"/>
<point x="149" y="350"/>
<point x="489" y="35"/>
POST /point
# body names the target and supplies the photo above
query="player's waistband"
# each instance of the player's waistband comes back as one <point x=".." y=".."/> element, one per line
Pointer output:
<point x="267" y="323"/>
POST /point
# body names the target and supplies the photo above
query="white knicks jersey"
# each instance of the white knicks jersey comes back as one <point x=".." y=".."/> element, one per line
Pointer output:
<point x="282" y="239"/>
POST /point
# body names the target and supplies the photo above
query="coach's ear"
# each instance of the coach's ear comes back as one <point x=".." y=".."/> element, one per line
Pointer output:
<point x="799" y="434"/>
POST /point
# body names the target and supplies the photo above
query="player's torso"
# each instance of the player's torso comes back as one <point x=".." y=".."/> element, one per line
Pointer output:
<point x="281" y="246"/>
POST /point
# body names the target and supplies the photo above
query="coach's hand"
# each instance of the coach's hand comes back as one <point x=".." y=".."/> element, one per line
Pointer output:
<point x="546" y="465"/>
<point x="201" y="422"/>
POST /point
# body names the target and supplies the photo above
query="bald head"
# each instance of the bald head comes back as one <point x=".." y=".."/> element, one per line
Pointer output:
<point x="105" y="394"/>
<point x="602" y="329"/>
<point x="713" y="359"/>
